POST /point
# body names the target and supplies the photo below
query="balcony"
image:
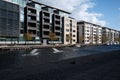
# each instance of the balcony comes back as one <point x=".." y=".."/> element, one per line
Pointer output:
<point x="31" y="11"/>
<point x="46" y="26"/>
<point x="32" y="31"/>
<point x="32" y="21"/>
<point x="46" y="23"/>
<point x="45" y="36"/>
<point x="46" y="20"/>
<point x="33" y="14"/>
<point x="31" y="28"/>
<point x="45" y="12"/>
<point x="44" y="29"/>
<point x="58" y="31"/>
<point x="57" y="23"/>
<point x="57" y="19"/>
<point x="57" y="28"/>
<point x="32" y="25"/>
<point x="46" y="17"/>
<point x="57" y="16"/>
<point x="56" y="12"/>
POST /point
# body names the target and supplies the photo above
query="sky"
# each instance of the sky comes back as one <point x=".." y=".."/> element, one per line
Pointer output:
<point x="103" y="12"/>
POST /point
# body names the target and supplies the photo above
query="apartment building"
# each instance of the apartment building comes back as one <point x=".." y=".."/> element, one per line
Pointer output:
<point x="89" y="33"/>
<point x="69" y="31"/>
<point x="116" y="37"/>
<point x="39" y="20"/>
<point x="110" y="36"/>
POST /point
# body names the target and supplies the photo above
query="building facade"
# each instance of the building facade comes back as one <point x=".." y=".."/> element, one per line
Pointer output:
<point x="89" y="33"/>
<point x="116" y="38"/>
<point x="69" y="30"/>
<point x="38" y="20"/>
<point x="110" y="36"/>
<point x="9" y="21"/>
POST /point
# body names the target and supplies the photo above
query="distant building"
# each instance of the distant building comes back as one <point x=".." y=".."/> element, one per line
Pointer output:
<point x="89" y="33"/>
<point x="111" y="35"/>
<point x="69" y="30"/>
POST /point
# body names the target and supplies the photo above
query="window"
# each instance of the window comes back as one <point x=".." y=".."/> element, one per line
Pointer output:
<point x="74" y="31"/>
<point x="73" y="35"/>
<point x="88" y="27"/>
<point x="73" y="40"/>
<point x="74" y="26"/>
<point x="67" y="37"/>
<point x="87" y="30"/>
<point x="67" y="30"/>
<point x="87" y="33"/>
<point x="67" y="25"/>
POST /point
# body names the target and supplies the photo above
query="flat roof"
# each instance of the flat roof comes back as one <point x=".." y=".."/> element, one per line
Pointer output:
<point x="97" y="25"/>
<point x="51" y="7"/>
<point x="88" y="23"/>
<point x="111" y="29"/>
<point x="71" y="17"/>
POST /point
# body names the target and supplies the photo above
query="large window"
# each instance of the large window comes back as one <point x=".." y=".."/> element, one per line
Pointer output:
<point x="67" y="30"/>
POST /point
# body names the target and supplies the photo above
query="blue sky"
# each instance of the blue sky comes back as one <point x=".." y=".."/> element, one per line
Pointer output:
<point x="111" y="11"/>
<point x="103" y="12"/>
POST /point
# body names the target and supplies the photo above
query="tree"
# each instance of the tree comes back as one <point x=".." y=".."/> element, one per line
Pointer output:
<point x="119" y="40"/>
<point x="52" y="36"/>
<point x="104" y="39"/>
<point x="81" y="39"/>
<point x="28" y="36"/>
<point x="116" y="39"/>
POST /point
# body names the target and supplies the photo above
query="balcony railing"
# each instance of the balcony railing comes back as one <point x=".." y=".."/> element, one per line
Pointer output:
<point x="33" y="14"/>
<point x="32" y="28"/>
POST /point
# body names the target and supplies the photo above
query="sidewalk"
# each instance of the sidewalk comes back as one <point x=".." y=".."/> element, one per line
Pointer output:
<point x="25" y="47"/>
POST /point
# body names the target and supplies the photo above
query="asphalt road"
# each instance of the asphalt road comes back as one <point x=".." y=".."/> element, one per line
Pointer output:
<point x="94" y="67"/>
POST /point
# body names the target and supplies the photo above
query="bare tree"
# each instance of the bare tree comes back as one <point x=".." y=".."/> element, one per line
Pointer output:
<point x="104" y="39"/>
<point x="52" y="36"/>
<point x="117" y="39"/>
<point x="28" y="36"/>
<point x="81" y="39"/>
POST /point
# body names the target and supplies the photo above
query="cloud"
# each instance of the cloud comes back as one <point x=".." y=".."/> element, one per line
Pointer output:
<point x="79" y="9"/>
<point x="118" y="8"/>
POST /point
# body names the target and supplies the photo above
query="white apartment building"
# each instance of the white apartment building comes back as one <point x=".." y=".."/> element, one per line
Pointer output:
<point x="69" y="31"/>
<point x="89" y="33"/>
<point x="111" y="35"/>
<point x="116" y="37"/>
